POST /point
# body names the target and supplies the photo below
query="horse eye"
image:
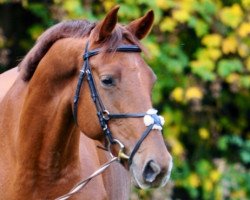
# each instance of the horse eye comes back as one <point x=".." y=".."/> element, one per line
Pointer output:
<point x="107" y="81"/>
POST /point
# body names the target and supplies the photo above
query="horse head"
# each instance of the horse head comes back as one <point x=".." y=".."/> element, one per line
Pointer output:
<point x="122" y="83"/>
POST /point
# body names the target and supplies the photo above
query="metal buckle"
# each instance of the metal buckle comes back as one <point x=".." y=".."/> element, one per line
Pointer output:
<point x="121" y="155"/>
<point x="105" y="115"/>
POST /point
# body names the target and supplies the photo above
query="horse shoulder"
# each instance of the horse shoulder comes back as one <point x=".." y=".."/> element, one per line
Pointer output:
<point x="11" y="99"/>
<point x="6" y="81"/>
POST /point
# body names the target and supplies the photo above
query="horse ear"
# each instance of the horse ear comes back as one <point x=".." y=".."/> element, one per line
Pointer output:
<point x="141" y="27"/>
<point x="107" y="25"/>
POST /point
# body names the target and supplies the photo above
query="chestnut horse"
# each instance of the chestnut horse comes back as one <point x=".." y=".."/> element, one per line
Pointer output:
<point x="48" y="142"/>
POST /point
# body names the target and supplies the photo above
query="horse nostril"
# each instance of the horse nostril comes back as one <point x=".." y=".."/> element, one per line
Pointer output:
<point x="150" y="172"/>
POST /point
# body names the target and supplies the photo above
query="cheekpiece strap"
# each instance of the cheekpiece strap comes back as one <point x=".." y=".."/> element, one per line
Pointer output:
<point x="86" y="70"/>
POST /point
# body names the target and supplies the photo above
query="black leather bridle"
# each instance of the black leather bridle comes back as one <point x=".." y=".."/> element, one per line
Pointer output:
<point x="103" y="115"/>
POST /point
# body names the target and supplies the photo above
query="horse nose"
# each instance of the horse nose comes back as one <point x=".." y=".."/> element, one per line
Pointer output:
<point x="150" y="172"/>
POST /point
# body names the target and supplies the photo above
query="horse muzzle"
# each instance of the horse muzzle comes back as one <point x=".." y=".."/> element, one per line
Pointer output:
<point x="153" y="173"/>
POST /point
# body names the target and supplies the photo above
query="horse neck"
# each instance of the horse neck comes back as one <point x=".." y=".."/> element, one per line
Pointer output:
<point x="48" y="137"/>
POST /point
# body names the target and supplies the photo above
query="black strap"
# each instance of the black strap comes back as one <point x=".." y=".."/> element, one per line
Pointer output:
<point x="128" y="115"/>
<point x="77" y="94"/>
<point x="128" y="48"/>
<point x="86" y="70"/>
<point x="103" y="115"/>
<point x="122" y="48"/>
<point x="139" y="142"/>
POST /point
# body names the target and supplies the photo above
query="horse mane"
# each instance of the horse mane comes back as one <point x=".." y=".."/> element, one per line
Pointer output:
<point x="73" y="28"/>
<point x="62" y="30"/>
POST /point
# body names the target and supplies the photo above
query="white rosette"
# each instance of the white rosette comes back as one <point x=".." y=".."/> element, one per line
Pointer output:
<point x="149" y="120"/>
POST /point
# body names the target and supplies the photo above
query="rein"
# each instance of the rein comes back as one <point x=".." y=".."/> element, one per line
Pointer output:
<point x="81" y="184"/>
<point x="151" y="119"/>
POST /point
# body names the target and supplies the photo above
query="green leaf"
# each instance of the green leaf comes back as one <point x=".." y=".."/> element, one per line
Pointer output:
<point x="228" y="66"/>
<point x="206" y="9"/>
<point x="35" y="31"/>
<point x="201" y="28"/>
<point x="245" y="156"/>
<point x="223" y="143"/>
<point x="236" y="140"/>
<point x="245" y="81"/>
<point x="204" y="74"/>
<point x="202" y="168"/>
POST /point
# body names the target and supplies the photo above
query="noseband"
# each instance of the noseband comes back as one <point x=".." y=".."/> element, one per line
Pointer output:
<point x="151" y="119"/>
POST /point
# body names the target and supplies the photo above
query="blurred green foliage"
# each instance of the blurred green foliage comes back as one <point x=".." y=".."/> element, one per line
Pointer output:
<point x="200" y="53"/>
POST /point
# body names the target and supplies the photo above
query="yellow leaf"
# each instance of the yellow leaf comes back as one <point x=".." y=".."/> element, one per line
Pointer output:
<point x="168" y="24"/>
<point x="215" y="175"/>
<point x="239" y="194"/>
<point x="212" y="40"/>
<point x="36" y="31"/>
<point x="219" y="193"/>
<point x="177" y="148"/>
<point x="188" y="5"/>
<point x="194" y="180"/>
<point x="248" y="63"/>
<point x="229" y="45"/>
<point x="193" y="93"/>
<point x="233" y="78"/>
<point x="206" y="56"/>
<point x="231" y="16"/>
<point x="71" y="6"/>
<point x="168" y="118"/>
<point x="246" y="4"/>
<point x="108" y="4"/>
<point x="204" y="133"/>
<point x="154" y="48"/>
<point x="181" y="15"/>
<point x="214" y="53"/>
<point x="173" y="130"/>
<point x="163" y="4"/>
<point x="208" y="185"/>
<point x="25" y="3"/>
<point x="202" y="54"/>
<point x="244" y="29"/>
<point x="205" y="63"/>
<point x="243" y="50"/>
<point x="177" y="94"/>
<point x="57" y="1"/>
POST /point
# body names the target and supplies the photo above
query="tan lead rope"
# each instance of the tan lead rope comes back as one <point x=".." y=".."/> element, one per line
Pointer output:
<point x="81" y="184"/>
